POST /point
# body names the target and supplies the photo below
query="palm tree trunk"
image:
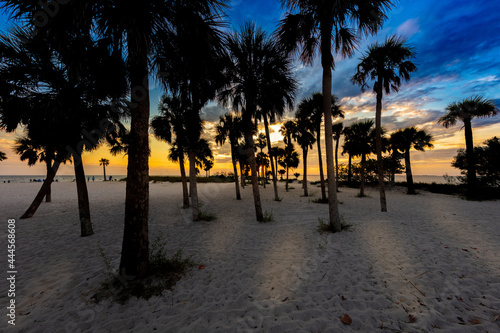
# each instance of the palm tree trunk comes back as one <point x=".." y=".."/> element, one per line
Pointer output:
<point x="409" y="176"/>
<point x="104" y="170"/>
<point x="471" y="161"/>
<point x="185" y="193"/>
<point x="349" y="170"/>
<point x="134" y="259"/>
<point x="378" y="148"/>
<point x="304" y="179"/>
<point x="326" y="62"/>
<point x="274" y="166"/>
<point x="320" y="161"/>
<point x="42" y="192"/>
<point x="286" y="186"/>
<point x="242" y="173"/>
<point x="337" y="163"/>
<point x="253" y="169"/>
<point x="362" y="187"/>
<point x="48" y="194"/>
<point x="235" y="170"/>
<point x="193" y="189"/>
<point x="83" y="199"/>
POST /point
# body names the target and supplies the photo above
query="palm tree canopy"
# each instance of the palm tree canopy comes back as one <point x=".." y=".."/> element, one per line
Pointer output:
<point x="345" y="21"/>
<point x="104" y="161"/>
<point x="3" y="157"/>
<point x="360" y="138"/>
<point x="338" y="130"/>
<point x="411" y="137"/>
<point x="387" y="64"/>
<point x="304" y="130"/>
<point x="468" y="109"/>
<point x="313" y="106"/>
<point x="259" y="74"/>
<point x="229" y="127"/>
<point x="288" y="130"/>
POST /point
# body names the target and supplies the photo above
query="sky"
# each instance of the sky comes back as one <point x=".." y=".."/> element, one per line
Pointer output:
<point x="458" y="56"/>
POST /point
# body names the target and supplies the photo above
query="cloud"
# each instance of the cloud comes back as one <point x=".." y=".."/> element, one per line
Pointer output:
<point x="408" y="28"/>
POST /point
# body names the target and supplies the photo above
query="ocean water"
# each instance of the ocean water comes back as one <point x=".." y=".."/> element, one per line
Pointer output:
<point x="399" y="178"/>
<point x="61" y="179"/>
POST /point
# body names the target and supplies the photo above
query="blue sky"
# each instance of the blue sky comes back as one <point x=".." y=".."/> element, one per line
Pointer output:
<point x="458" y="56"/>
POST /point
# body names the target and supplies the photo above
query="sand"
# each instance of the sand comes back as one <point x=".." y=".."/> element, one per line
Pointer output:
<point x="431" y="264"/>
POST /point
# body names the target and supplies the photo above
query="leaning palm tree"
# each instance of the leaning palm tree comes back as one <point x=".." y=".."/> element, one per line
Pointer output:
<point x="229" y="127"/>
<point x="3" y="157"/>
<point x="313" y="106"/>
<point x="406" y="139"/>
<point x="337" y="130"/>
<point x="104" y="162"/>
<point x="387" y="64"/>
<point x="256" y="62"/>
<point x="304" y="135"/>
<point x="32" y="152"/>
<point x="324" y="26"/>
<point x="466" y="110"/>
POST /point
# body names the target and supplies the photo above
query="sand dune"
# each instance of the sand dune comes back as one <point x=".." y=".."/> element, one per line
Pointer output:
<point x="430" y="264"/>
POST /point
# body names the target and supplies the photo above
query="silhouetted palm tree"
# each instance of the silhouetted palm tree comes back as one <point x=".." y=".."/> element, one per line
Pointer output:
<point x="304" y="135"/>
<point x="323" y="26"/>
<point x="3" y="157"/>
<point x="466" y="110"/>
<point x="361" y="142"/>
<point x="277" y="154"/>
<point x="314" y="107"/>
<point x="229" y="127"/>
<point x="33" y="152"/>
<point x="104" y="162"/>
<point x="171" y="121"/>
<point x="65" y="100"/>
<point x="256" y="61"/>
<point x="261" y="143"/>
<point x="407" y="139"/>
<point x="388" y="64"/>
<point x="337" y="130"/>
<point x="289" y="161"/>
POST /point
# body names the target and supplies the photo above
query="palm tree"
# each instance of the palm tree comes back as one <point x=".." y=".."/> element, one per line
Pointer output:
<point x="304" y="135"/>
<point x="348" y="148"/>
<point x="289" y="161"/>
<point x="313" y="106"/>
<point x="208" y="165"/>
<point x="172" y="121"/>
<point x="466" y="110"/>
<point x="229" y="127"/>
<point x="337" y="130"/>
<point x="3" y="157"/>
<point x="277" y="154"/>
<point x="361" y="143"/>
<point x="104" y="162"/>
<point x="257" y="63"/>
<point x="407" y="139"/>
<point x="388" y="63"/>
<point x="261" y="143"/>
<point x="322" y="26"/>
<point x="281" y="171"/>
<point x="64" y="95"/>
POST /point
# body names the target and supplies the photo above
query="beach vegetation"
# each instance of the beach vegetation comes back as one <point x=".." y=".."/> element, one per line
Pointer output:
<point x="465" y="111"/>
<point x="325" y="227"/>
<point x="305" y="138"/>
<point x="328" y="27"/>
<point x="104" y="162"/>
<point x="388" y="64"/>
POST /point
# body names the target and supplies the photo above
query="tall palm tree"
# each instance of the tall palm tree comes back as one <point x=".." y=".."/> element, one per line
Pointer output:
<point x="466" y="110"/>
<point x="304" y="135"/>
<point x="229" y="127"/>
<point x="3" y="157"/>
<point x="337" y="130"/>
<point x="361" y="141"/>
<point x="257" y="64"/>
<point x="405" y="140"/>
<point x="348" y="148"/>
<point x="65" y="103"/>
<point x="104" y="162"/>
<point x="277" y="154"/>
<point x="314" y="107"/>
<point x="172" y="121"/>
<point x="388" y="64"/>
<point x="323" y="26"/>
<point x="261" y="143"/>
<point x="289" y="161"/>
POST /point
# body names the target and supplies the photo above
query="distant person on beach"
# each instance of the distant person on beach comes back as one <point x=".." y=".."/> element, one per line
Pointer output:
<point x="88" y="179"/>
<point x="110" y="178"/>
<point x="93" y="178"/>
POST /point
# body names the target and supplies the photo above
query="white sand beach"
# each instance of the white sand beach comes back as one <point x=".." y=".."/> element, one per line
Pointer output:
<point x="431" y="264"/>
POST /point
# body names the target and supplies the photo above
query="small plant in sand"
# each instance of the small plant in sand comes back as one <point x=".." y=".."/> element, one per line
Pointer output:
<point x="320" y="200"/>
<point x="268" y="217"/>
<point x="278" y="199"/>
<point x="163" y="274"/>
<point x="205" y="216"/>
<point x="325" y="227"/>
